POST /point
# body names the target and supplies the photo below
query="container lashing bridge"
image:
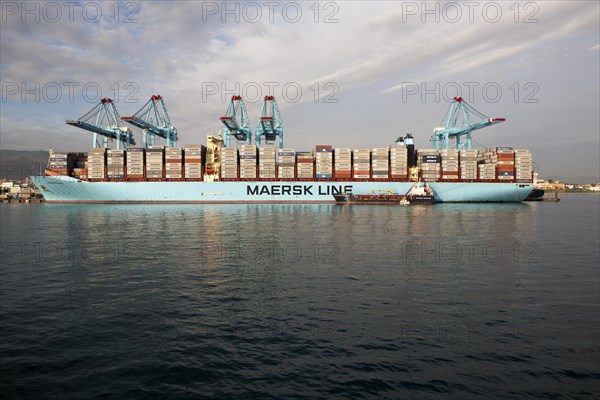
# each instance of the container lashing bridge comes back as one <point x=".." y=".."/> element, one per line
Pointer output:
<point x="104" y="120"/>
<point x="270" y="125"/>
<point x="237" y="122"/>
<point x="460" y="120"/>
<point x="154" y="121"/>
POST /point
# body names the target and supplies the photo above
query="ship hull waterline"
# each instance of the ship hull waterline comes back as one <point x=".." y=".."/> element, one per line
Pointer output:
<point x="64" y="189"/>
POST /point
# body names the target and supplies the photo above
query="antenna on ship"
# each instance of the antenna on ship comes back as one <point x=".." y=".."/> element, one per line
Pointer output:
<point x="236" y="122"/>
<point x="270" y="124"/>
<point x="154" y="120"/>
<point x="458" y="122"/>
<point x="104" y="120"/>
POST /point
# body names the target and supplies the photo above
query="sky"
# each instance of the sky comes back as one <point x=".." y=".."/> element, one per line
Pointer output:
<point x="347" y="73"/>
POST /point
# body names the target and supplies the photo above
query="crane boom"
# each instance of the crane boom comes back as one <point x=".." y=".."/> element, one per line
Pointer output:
<point x="154" y="120"/>
<point x="458" y="122"/>
<point x="104" y="120"/>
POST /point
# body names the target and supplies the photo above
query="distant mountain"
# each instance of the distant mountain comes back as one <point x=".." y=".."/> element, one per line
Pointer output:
<point x="17" y="164"/>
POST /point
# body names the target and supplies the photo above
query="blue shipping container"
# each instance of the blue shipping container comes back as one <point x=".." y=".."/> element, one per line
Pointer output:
<point x="430" y="159"/>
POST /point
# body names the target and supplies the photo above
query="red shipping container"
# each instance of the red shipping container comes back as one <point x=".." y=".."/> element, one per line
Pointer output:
<point x="506" y="157"/>
<point x="505" y="168"/>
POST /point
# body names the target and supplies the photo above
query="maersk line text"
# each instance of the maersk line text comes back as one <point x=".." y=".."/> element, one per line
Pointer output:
<point x="296" y="190"/>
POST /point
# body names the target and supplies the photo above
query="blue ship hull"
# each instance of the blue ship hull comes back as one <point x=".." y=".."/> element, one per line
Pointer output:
<point x="63" y="189"/>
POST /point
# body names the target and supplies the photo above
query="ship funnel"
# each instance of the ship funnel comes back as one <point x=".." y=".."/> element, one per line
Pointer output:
<point x="410" y="146"/>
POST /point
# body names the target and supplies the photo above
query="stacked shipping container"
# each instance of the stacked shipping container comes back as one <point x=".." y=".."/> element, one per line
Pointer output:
<point x="80" y="170"/>
<point x="58" y="163"/>
<point x="193" y="155"/>
<point x="248" y="161"/>
<point x="286" y="160"/>
<point x="173" y="162"/>
<point x="115" y="164"/>
<point x="499" y="163"/>
<point x="523" y="165"/>
<point x="487" y="172"/>
<point x="361" y="163"/>
<point x="486" y="167"/>
<point x="266" y="162"/>
<point x="449" y="159"/>
<point x="323" y="161"/>
<point x="229" y="163"/>
<point x="135" y="163"/>
<point x="154" y="162"/>
<point x="428" y="162"/>
<point x="399" y="161"/>
<point x="343" y="163"/>
<point x="380" y="163"/>
<point x="468" y="164"/>
<point x="97" y="163"/>
<point x="305" y="166"/>
<point x="504" y="158"/>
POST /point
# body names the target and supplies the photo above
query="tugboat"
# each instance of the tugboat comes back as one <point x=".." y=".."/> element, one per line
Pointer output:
<point x="420" y="195"/>
<point x="373" y="197"/>
<point x="416" y="195"/>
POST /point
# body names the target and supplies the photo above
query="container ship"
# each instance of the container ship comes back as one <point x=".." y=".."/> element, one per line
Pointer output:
<point x="220" y="172"/>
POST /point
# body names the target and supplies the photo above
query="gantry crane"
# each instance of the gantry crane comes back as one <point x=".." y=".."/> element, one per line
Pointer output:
<point x="270" y="124"/>
<point x="237" y="122"/>
<point x="154" y="120"/>
<point x="457" y="123"/>
<point x="104" y="120"/>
